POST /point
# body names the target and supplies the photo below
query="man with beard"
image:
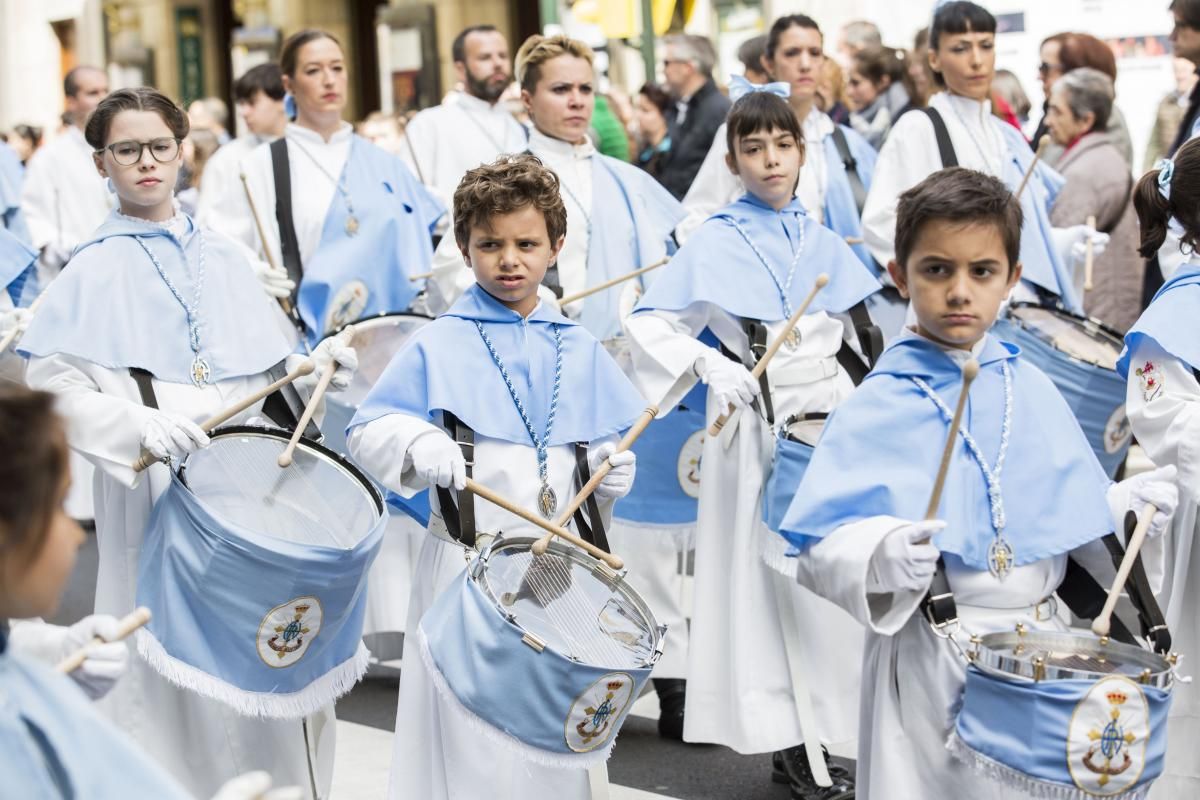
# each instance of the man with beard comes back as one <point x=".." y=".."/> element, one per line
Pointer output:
<point x="470" y="127"/>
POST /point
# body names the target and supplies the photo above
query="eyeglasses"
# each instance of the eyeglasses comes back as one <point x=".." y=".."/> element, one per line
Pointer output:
<point x="1046" y="69"/>
<point x="129" y="152"/>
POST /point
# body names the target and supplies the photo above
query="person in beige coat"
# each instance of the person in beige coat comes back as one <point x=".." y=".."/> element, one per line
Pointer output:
<point x="1098" y="183"/>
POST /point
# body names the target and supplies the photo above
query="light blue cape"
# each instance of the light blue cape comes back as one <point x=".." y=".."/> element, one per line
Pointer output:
<point x="396" y="216"/>
<point x="12" y="174"/>
<point x="445" y="366"/>
<point x="1170" y="321"/>
<point x="717" y="266"/>
<point x="841" y="212"/>
<point x="881" y="448"/>
<point x="18" y="273"/>
<point x="110" y="307"/>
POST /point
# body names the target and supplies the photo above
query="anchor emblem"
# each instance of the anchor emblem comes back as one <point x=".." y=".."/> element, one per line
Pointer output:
<point x="600" y="717"/>
<point x="1110" y="743"/>
<point x="292" y="634"/>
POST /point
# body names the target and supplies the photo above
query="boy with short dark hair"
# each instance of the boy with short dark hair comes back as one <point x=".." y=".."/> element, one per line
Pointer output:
<point x="1023" y="490"/>
<point x="529" y="394"/>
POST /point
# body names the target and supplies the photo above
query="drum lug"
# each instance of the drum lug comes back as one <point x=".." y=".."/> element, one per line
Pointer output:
<point x="1173" y="659"/>
<point x="534" y="642"/>
<point x="1039" y="668"/>
<point x="973" y="653"/>
<point x="1144" y="678"/>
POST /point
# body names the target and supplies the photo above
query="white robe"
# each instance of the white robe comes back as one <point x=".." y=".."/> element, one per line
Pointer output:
<point x="1168" y="428"/>
<point x="222" y="178"/>
<point x="63" y="198"/>
<point x="742" y="655"/>
<point x="443" y="142"/>
<point x="437" y="751"/>
<point x="200" y="742"/>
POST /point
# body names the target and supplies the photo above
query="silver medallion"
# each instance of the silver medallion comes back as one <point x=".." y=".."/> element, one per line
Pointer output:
<point x="351" y="225"/>
<point x="792" y="340"/>
<point x="1000" y="558"/>
<point x="200" y="372"/>
<point x="547" y="501"/>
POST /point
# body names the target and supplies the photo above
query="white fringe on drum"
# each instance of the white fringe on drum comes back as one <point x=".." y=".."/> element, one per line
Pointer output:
<point x="1007" y="776"/>
<point x="264" y="705"/>
<point x="490" y="732"/>
<point x="685" y="535"/>
<point x="773" y="549"/>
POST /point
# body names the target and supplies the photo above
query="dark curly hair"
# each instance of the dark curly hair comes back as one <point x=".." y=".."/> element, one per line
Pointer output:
<point x="141" y="99"/>
<point x="1154" y="212"/>
<point x="32" y="472"/>
<point x="508" y="184"/>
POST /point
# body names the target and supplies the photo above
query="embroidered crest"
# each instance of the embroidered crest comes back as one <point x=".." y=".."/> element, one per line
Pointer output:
<point x="687" y="470"/>
<point x="595" y="713"/>
<point x="1151" y="380"/>
<point x="1106" y="741"/>
<point x="1117" y="432"/>
<point x="287" y="630"/>
<point x="347" y="305"/>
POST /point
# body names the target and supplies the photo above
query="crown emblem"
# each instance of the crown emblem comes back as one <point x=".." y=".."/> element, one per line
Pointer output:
<point x="1117" y="698"/>
<point x="614" y="685"/>
<point x="302" y="609"/>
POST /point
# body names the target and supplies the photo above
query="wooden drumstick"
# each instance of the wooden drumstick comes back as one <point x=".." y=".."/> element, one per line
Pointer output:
<point x="285" y="458"/>
<point x="761" y="366"/>
<point x="420" y="276"/>
<point x="11" y="336"/>
<point x="852" y="240"/>
<point x="1100" y="625"/>
<point x="136" y="619"/>
<point x="304" y="368"/>
<point x="1091" y="256"/>
<point x="284" y="302"/>
<point x="639" y="425"/>
<point x="969" y="371"/>
<point x="600" y="287"/>
<point x="1043" y="143"/>
<point x="613" y="561"/>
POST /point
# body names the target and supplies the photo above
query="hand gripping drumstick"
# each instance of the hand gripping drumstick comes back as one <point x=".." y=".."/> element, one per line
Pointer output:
<point x="136" y="619"/>
<point x="1043" y="143"/>
<point x="600" y="287"/>
<point x="487" y="494"/>
<point x="1100" y="624"/>
<point x="639" y="425"/>
<point x="761" y="366"/>
<point x="285" y="458"/>
<point x="284" y="302"/>
<point x="1087" y="263"/>
<point x="969" y="371"/>
<point x="12" y="335"/>
<point x="305" y="367"/>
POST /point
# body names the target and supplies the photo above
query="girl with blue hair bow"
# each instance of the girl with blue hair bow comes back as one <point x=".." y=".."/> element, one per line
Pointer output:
<point x="1160" y="362"/>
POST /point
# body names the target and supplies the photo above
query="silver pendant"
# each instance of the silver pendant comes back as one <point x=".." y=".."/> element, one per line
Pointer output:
<point x="200" y="372"/>
<point x="1000" y="558"/>
<point x="792" y="341"/>
<point x="547" y="501"/>
<point x="351" y="225"/>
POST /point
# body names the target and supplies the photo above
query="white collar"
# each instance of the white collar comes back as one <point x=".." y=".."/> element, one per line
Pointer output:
<point x="557" y="148"/>
<point x="475" y="105"/>
<point x="968" y="109"/>
<point x="957" y="354"/>
<point x="307" y="136"/>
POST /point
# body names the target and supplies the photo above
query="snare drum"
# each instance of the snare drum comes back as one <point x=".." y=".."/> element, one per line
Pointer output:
<point x="1080" y="356"/>
<point x="794" y="444"/>
<point x="547" y="653"/>
<point x="256" y="574"/>
<point x="1064" y="715"/>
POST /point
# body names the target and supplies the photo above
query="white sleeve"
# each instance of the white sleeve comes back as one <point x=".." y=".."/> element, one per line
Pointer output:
<point x="837" y="568"/>
<point x="105" y="429"/>
<point x="39" y="201"/>
<point x="1165" y="414"/>
<point x="664" y="349"/>
<point x="451" y="275"/>
<point x="909" y="155"/>
<point x="381" y="447"/>
<point x="714" y="187"/>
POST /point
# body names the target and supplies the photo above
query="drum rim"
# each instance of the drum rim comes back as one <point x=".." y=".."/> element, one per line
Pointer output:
<point x="808" y="416"/>
<point x="479" y="566"/>
<point x="380" y="315"/>
<point x="1092" y="321"/>
<point x="282" y="433"/>
<point x="991" y="659"/>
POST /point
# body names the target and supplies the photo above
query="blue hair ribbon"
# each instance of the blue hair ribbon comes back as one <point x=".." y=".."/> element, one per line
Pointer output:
<point x="739" y="87"/>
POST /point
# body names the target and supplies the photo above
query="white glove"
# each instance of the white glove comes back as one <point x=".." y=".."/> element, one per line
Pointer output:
<point x="256" y="786"/>
<point x="900" y="564"/>
<point x="275" y="282"/>
<point x="619" y="480"/>
<point x="1072" y="242"/>
<point x="438" y="460"/>
<point x="731" y="383"/>
<point x="1158" y="487"/>
<point x="105" y="663"/>
<point x="15" y="317"/>
<point x="332" y="350"/>
<point x="172" y="435"/>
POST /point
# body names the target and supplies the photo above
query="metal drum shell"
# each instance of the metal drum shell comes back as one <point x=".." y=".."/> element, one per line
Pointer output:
<point x="1011" y="655"/>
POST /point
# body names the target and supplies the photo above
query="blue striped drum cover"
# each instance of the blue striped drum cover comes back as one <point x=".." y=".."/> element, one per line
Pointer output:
<point x="794" y="444"/>
<point x="1079" y="355"/>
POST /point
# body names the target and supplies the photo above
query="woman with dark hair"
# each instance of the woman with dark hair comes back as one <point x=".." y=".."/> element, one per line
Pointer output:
<point x="878" y="91"/>
<point x="650" y="109"/>
<point x="962" y="55"/>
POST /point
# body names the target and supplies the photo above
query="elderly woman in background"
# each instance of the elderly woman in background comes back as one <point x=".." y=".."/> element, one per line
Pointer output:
<point x="650" y="108"/>
<point x="877" y="92"/>
<point x="1098" y="183"/>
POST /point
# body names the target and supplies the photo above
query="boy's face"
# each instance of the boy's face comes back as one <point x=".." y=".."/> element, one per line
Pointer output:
<point x="510" y="254"/>
<point x="768" y="162"/>
<point x="956" y="276"/>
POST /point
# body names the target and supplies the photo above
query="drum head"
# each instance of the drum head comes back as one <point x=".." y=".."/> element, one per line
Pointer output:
<point x="805" y="431"/>
<point x="571" y="602"/>
<point x="319" y="500"/>
<point x="1079" y="337"/>
<point x="377" y="339"/>
<point x="1068" y="656"/>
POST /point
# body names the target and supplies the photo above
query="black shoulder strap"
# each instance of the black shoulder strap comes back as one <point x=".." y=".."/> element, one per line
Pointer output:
<point x="851" y="165"/>
<point x="289" y="245"/>
<point x="756" y="334"/>
<point x="870" y="339"/>
<point x="460" y="517"/>
<point x="285" y="407"/>
<point x="942" y="134"/>
<point x="145" y="386"/>
<point x="1084" y="595"/>
<point x="591" y="528"/>
<point x="1150" y="616"/>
